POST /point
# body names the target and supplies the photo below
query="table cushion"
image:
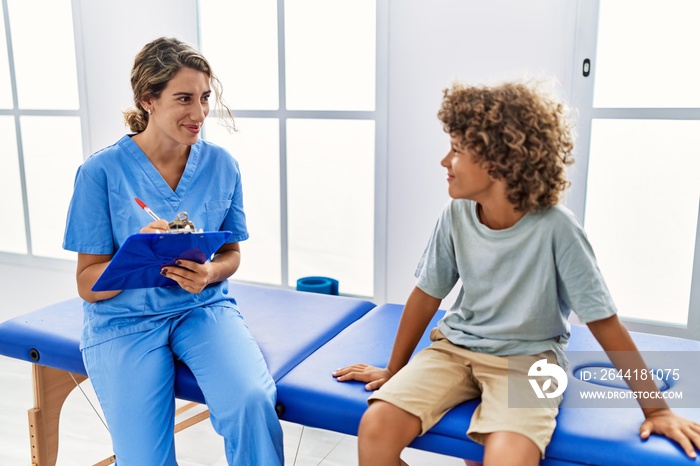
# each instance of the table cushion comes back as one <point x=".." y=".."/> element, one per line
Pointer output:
<point x="288" y="325"/>
<point x="311" y="396"/>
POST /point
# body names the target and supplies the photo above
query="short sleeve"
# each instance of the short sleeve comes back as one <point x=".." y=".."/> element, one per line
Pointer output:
<point x="88" y="224"/>
<point x="235" y="220"/>
<point x="437" y="269"/>
<point x="579" y="281"/>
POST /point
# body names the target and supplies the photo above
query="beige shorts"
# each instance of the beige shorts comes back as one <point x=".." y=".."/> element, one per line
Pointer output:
<point x="444" y="375"/>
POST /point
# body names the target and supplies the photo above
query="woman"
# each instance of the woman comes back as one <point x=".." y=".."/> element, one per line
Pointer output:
<point x="132" y="338"/>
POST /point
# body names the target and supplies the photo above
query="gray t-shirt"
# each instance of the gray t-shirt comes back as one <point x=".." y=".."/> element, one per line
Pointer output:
<point x="519" y="285"/>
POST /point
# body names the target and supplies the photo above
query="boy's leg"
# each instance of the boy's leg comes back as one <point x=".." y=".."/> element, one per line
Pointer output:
<point x="415" y="399"/>
<point x="133" y="378"/>
<point x="215" y="343"/>
<point x="516" y="434"/>
<point x="510" y="449"/>
<point x="384" y="432"/>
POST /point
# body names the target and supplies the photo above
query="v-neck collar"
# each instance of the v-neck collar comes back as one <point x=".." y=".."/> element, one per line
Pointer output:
<point x="174" y="197"/>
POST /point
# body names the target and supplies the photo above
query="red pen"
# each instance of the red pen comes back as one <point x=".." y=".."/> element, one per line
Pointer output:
<point x="146" y="208"/>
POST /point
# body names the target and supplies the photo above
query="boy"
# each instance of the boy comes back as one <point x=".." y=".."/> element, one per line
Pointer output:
<point x="524" y="263"/>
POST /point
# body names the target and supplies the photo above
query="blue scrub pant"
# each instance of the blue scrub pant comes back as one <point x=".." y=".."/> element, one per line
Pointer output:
<point x="134" y="377"/>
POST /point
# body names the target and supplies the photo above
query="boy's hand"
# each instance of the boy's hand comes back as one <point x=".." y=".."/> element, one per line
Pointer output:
<point x="375" y="376"/>
<point x="666" y="422"/>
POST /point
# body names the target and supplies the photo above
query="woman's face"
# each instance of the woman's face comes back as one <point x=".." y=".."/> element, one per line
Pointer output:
<point x="179" y="112"/>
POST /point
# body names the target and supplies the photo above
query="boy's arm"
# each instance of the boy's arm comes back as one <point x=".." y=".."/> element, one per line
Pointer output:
<point x="419" y="310"/>
<point x="623" y="353"/>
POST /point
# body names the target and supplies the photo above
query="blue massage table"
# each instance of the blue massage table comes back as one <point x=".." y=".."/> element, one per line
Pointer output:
<point x="583" y="435"/>
<point x="287" y="325"/>
<point x="304" y="337"/>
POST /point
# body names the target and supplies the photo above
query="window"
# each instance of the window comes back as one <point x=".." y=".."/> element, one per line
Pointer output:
<point x="301" y="77"/>
<point x="639" y="134"/>
<point x="40" y="125"/>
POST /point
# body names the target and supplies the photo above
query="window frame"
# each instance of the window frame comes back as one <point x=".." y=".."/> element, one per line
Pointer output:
<point x="29" y="259"/>
<point x="582" y="101"/>
<point x="378" y="115"/>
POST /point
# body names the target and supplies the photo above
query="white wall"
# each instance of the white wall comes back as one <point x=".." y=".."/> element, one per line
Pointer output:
<point x="431" y="42"/>
<point x="113" y="33"/>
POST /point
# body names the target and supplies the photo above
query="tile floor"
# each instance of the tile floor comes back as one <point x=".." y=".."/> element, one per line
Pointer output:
<point x="84" y="440"/>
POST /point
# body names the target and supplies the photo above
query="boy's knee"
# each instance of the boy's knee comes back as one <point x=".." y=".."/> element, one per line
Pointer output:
<point x="371" y="421"/>
<point x="386" y="423"/>
<point x="510" y="448"/>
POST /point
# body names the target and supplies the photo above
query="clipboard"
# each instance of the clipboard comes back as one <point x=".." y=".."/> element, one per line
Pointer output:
<point x="137" y="263"/>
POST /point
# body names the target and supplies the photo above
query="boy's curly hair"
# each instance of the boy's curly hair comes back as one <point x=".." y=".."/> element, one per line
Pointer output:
<point x="518" y="134"/>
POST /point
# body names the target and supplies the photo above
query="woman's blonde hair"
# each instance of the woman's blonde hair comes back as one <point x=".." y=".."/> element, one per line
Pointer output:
<point x="155" y="65"/>
<point x="518" y="134"/>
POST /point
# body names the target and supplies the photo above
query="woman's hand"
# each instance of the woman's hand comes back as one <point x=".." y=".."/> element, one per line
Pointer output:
<point x="194" y="277"/>
<point x="374" y="376"/>
<point x="191" y="276"/>
<point x="157" y="226"/>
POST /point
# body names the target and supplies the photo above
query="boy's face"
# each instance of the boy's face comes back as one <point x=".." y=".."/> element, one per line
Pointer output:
<point x="465" y="178"/>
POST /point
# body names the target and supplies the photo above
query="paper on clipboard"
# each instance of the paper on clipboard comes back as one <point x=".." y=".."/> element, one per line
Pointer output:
<point x="138" y="261"/>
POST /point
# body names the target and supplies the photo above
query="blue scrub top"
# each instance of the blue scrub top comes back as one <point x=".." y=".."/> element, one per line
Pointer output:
<point x="103" y="213"/>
